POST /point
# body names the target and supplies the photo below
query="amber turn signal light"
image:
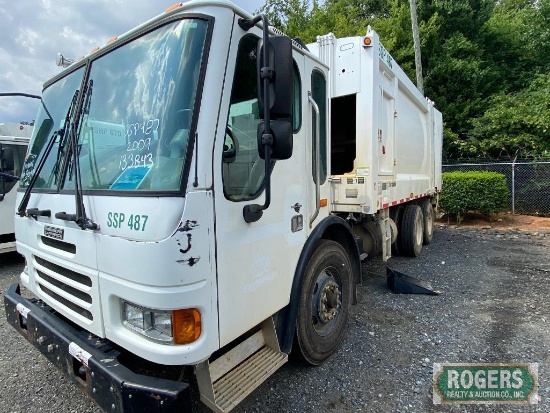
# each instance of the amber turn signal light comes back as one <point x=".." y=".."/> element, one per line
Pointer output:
<point x="186" y="325"/>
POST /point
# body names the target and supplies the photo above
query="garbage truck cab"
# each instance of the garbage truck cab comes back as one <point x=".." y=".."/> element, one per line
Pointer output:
<point x="178" y="209"/>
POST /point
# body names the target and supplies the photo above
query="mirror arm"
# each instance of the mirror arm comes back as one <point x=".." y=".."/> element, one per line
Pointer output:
<point x="28" y="95"/>
<point x="253" y="212"/>
<point x="247" y="24"/>
<point x="9" y="177"/>
<point x="25" y="95"/>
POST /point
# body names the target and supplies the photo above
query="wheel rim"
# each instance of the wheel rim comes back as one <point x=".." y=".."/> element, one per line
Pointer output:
<point x="429" y="221"/>
<point x="419" y="228"/>
<point x="326" y="301"/>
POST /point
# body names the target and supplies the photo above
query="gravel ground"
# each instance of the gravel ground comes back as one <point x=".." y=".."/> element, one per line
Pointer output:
<point x="493" y="309"/>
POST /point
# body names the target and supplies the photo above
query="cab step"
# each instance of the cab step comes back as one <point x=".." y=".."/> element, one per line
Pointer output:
<point x="226" y="381"/>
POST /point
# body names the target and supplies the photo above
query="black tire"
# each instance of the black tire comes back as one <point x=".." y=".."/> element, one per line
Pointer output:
<point x="327" y="294"/>
<point x="428" y="217"/>
<point x="395" y="214"/>
<point x="412" y="231"/>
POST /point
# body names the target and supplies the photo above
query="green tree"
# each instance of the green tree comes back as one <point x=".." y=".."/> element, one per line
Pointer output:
<point x="517" y="39"/>
<point x="516" y="117"/>
<point x="396" y="34"/>
<point x="458" y="75"/>
<point x="290" y="16"/>
<point x="307" y="19"/>
<point x="464" y="16"/>
<point x="460" y="81"/>
<point x="516" y="123"/>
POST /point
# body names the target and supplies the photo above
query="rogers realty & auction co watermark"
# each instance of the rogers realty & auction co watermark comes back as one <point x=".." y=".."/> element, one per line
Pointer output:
<point x="514" y="383"/>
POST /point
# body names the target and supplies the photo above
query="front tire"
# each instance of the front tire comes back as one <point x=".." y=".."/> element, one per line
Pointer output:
<point x="327" y="293"/>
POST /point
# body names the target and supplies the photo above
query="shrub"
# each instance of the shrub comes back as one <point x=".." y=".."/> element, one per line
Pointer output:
<point x="485" y="192"/>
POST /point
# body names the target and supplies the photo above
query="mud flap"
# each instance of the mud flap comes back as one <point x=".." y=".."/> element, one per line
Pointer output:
<point x="401" y="283"/>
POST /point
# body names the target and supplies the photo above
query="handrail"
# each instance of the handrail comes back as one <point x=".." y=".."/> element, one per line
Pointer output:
<point x="317" y="159"/>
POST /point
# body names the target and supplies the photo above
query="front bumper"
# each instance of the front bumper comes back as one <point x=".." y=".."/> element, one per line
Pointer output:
<point x="92" y="363"/>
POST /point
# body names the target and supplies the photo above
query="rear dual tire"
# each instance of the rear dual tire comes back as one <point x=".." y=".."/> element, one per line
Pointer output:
<point x="428" y="216"/>
<point x="396" y="213"/>
<point x="411" y="234"/>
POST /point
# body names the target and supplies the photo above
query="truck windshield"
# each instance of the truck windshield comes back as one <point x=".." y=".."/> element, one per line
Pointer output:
<point x="136" y="111"/>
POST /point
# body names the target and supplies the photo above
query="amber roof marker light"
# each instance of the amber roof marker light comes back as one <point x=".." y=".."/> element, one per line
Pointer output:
<point x="174" y="7"/>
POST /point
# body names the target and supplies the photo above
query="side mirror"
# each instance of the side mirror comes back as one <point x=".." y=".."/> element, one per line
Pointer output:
<point x="7" y="160"/>
<point x="281" y="131"/>
<point x="275" y="74"/>
<point x="280" y="72"/>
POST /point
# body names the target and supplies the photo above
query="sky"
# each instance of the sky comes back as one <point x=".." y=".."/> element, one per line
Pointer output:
<point x="32" y="32"/>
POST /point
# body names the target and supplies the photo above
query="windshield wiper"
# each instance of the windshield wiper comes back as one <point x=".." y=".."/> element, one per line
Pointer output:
<point x="80" y="217"/>
<point x="63" y="137"/>
<point x="22" y="209"/>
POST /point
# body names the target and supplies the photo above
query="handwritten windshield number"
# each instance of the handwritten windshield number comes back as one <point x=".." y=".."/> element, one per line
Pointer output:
<point x="135" y="161"/>
<point x="139" y="145"/>
<point x="146" y="127"/>
<point x="135" y="222"/>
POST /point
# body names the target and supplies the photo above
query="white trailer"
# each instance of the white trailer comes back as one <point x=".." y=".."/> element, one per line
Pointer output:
<point x="193" y="200"/>
<point x="14" y="139"/>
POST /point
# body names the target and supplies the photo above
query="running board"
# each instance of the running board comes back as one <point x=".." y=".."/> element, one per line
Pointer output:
<point x="225" y="382"/>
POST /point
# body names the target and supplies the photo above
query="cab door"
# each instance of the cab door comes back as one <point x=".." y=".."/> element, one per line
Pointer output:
<point x="255" y="261"/>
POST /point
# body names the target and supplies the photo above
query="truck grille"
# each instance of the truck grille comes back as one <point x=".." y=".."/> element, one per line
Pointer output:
<point x="66" y="287"/>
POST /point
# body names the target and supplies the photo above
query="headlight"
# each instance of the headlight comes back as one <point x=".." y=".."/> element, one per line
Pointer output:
<point x="158" y="325"/>
<point x="137" y="317"/>
<point x="162" y="322"/>
<point x="154" y="324"/>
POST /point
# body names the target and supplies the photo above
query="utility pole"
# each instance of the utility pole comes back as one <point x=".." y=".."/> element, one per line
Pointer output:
<point x="417" y="55"/>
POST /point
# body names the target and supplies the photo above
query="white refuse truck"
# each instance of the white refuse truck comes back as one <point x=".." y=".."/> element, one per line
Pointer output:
<point x="198" y="198"/>
<point x="14" y="140"/>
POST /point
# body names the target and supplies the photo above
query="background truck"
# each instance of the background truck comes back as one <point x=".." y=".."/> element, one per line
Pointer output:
<point x="14" y="140"/>
<point x="198" y="198"/>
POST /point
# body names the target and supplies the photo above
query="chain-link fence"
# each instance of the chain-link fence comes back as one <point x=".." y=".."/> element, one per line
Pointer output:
<point x="528" y="183"/>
